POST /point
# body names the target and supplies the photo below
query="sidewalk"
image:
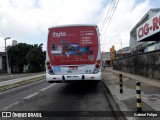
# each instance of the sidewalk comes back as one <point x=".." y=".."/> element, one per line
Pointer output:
<point x="15" y="80"/>
<point x="5" y="77"/>
<point x="127" y="101"/>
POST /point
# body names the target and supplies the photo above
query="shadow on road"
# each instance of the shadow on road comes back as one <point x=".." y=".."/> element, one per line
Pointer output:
<point x="81" y="88"/>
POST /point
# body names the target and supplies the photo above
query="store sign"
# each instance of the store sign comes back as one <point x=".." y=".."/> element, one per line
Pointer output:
<point x="150" y="27"/>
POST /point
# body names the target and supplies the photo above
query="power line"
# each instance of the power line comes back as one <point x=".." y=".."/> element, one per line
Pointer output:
<point x="109" y="12"/>
<point x="111" y="16"/>
<point x="114" y="8"/>
<point x="106" y="15"/>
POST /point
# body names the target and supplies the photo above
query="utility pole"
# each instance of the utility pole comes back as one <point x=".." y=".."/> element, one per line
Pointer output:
<point x="103" y="56"/>
<point x="8" y="71"/>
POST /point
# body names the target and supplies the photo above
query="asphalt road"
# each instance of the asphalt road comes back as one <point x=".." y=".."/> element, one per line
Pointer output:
<point x="71" y="97"/>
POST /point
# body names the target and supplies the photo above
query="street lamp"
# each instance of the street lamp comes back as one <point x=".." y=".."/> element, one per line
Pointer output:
<point x="8" y="71"/>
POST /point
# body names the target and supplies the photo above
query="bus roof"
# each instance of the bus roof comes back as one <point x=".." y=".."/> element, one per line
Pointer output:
<point x="72" y="25"/>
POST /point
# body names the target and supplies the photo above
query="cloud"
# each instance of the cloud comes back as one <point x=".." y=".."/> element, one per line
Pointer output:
<point x="126" y="16"/>
<point x="28" y="21"/>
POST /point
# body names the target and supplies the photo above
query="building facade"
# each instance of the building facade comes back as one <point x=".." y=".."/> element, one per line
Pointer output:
<point x="3" y="68"/>
<point x="105" y="58"/>
<point x="124" y="52"/>
<point x="144" y="37"/>
<point x="14" y="42"/>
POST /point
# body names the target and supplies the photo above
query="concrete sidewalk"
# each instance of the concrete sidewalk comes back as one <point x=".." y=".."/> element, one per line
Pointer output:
<point x="12" y="81"/>
<point x="127" y="101"/>
<point x="16" y="80"/>
<point x="5" y="77"/>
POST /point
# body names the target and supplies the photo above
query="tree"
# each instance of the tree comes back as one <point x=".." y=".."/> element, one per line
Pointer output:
<point x="17" y="55"/>
<point x="29" y="55"/>
<point x="36" y="59"/>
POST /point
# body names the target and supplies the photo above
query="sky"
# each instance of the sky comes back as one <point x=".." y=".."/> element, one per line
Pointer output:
<point x="27" y="21"/>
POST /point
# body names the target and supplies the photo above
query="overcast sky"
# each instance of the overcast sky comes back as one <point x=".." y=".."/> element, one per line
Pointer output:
<point x="27" y="21"/>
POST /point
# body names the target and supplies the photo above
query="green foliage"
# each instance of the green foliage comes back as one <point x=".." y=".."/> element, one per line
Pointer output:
<point x="35" y="59"/>
<point x="25" y="54"/>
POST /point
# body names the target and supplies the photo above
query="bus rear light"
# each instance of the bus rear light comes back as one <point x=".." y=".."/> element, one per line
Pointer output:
<point x="49" y="67"/>
<point x="98" y="61"/>
<point x="48" y="63"/>
<point x="51" y="71"/>
<point x="97" y="66"/>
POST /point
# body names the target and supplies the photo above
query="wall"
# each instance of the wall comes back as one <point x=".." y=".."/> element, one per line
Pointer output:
<point x="0" y="64"/>
<point x="147" y="64"/>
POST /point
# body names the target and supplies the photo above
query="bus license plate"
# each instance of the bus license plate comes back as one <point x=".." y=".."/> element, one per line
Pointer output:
<point x="73" y="67"/>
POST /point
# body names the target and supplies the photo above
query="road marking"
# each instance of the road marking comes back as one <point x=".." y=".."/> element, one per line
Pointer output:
<point x="34" y="94"/>
<point x="30" y="96"/>
<point x="11" y="105"/>
<point x="27" y="97"/>
<point x="47" y="87"/>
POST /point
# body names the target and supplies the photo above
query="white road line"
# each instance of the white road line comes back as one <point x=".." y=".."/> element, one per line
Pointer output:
<point x="34" y="94"/>
<point x="47" y="87"/>
<point x="27" y="97"/>
<point x="30" y="96"/>
<point x="9" y="106"/>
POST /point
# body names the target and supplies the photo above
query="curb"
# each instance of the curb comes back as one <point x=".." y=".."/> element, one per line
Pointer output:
<point x="113" y="103"/>
<point x="117" y="100"/>
<point x="21" y="82"/>
<point x="116" y="105"/>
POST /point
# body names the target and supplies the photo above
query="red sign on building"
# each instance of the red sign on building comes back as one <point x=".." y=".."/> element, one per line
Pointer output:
<point x="149" y="28"/>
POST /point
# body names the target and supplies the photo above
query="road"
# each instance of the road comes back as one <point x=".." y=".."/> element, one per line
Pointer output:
<point x="42" y="96"/>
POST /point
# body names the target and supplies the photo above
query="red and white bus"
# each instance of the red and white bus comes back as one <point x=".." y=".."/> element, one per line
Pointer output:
<point x="73" y="54"/>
